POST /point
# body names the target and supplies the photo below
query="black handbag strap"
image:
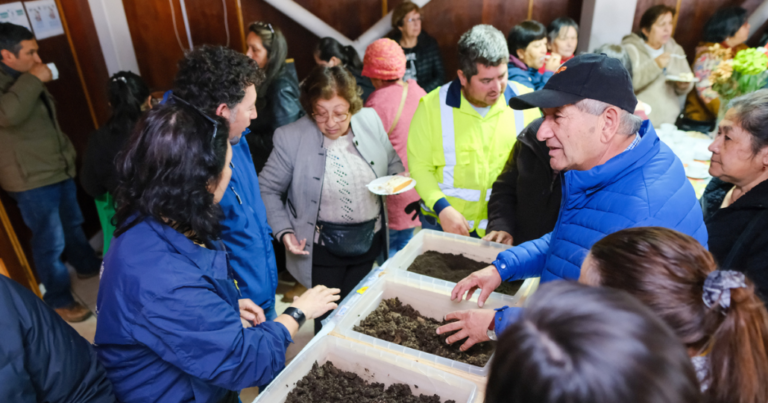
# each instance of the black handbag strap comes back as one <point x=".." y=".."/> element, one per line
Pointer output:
<point x="742" y="240"/>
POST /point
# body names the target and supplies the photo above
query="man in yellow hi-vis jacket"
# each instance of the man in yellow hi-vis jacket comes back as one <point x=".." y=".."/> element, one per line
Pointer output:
<point x="462" y="134"/>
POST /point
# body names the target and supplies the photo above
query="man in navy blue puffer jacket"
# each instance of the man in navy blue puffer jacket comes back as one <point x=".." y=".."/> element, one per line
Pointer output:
<point x="616" y="174"/>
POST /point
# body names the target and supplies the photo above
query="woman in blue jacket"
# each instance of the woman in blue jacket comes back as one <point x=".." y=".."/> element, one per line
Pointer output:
<point x="172" y="325"/>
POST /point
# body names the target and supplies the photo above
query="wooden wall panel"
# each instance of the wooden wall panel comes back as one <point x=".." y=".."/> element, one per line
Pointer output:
<point x="545" y="11"/>
<point x="83" y="33"/>
<point x="157" y="47"/>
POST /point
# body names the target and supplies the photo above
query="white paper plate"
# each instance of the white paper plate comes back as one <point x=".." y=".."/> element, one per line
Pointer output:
<point x="697" y="171"/>
<point x="377" y="186"/>
<point x="644" y="107"/>
<point x="682" y="80"/>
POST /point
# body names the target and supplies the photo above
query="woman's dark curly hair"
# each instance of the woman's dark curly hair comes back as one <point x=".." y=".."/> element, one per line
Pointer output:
<point x="213" y="75"/>
<point x="327" y="82"/>
<point x="166" y="169"/>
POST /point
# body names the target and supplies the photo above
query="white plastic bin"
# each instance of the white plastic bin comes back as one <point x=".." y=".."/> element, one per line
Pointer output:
<point x="381" y="367"/>
<point x="475" y="249"/>
<point x="430" y="296"/>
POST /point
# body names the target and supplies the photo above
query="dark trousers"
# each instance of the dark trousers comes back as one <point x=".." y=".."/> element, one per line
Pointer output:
<point x="53" y="215"/>
<point x="343" y="277"/>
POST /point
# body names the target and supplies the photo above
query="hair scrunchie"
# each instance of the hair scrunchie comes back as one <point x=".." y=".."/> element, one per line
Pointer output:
<point x="718" y="285"/>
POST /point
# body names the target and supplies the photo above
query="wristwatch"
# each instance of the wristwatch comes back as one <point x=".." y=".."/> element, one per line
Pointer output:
<point x="491" y="334"/>
<point x="296" y="314"/>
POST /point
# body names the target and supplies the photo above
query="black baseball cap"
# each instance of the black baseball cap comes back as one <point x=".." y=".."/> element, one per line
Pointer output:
<point x="592" y="76"/>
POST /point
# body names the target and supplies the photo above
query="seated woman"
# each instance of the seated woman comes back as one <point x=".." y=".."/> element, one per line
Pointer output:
<point x="735" y="202"/>
<point x="619" y="52"/>
<point x="314" y="184"/>
<point x="277" y="98"/>
<point x="330" y="53"/>
<point x="172" y="325"/>
<point x="715" y="313"/>
<point x="728" y="28"/>
<point x="580" y="344"/>
<point x="655" y="56"/>
<point x="562" y="39"/>
<point x="128" y="97"/>
<point x="424" y="62"/>
<point x="527" y="43"/>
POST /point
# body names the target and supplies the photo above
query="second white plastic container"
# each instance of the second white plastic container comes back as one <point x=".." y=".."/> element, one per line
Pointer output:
<point x="431" y="297"/>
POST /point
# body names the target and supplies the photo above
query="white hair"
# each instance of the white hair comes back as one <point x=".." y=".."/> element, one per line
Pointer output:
<point x="629" y="123"/>
<point x="481" y="44"/>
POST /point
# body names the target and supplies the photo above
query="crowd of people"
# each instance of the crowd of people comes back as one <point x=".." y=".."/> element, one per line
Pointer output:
<point x="241" y="171"/>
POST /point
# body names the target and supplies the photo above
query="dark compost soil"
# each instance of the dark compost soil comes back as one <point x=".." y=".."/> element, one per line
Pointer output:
<point x="328" y="384"/>
<point x="397" y="323"/>
<point x="454" y="268"/>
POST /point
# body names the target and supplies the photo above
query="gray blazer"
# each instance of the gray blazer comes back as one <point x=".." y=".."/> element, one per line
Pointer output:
<point x="294" y="172"/>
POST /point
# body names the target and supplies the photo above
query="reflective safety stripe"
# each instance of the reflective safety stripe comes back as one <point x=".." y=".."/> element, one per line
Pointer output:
<point x="519" y="115"/>
<point x="449" y="148"/>
<point x="483" y="224"/>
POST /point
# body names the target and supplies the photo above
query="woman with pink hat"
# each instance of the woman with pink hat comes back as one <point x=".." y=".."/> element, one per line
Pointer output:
<point x="395" y="101"/>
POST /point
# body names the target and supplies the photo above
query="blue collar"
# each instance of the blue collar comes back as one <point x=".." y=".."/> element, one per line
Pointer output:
<point x="453" y="98"/>
<point x="619" y="166"/>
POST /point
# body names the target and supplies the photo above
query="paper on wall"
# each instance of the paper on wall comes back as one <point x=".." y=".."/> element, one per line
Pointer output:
<point x="15" y="14"/>
<point x="45" y="19"/>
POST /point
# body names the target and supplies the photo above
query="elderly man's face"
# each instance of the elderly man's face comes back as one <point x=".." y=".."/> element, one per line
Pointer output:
<point x="572" y="138"/>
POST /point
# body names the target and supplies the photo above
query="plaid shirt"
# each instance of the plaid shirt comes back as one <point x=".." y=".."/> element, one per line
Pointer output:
<point x="430" y="72"/>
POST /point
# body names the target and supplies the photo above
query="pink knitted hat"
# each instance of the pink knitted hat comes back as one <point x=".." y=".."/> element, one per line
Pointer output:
<point x="385" y="60"/>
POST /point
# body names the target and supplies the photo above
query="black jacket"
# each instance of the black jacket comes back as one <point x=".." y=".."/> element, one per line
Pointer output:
<point x="738" y="234"/>
<point x="430" y="72"/>
<point x="528" y="174"/>
<point x="278" y="108"/>
<point x="42" y="358"/>
<point x="99" y="174"/>
<point x="364" y="83"/>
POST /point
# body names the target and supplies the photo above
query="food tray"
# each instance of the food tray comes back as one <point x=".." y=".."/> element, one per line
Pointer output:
<point x="473" y="248"/>
<point x="382" y="367"/>
<point x="429" y="296"/>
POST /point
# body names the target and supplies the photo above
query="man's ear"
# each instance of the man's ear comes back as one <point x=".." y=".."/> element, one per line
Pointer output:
<point x="223" y="111"/>
<point x="609" y="123"/>
<point x="7" y="55"/>
<point x="462" y="78"/>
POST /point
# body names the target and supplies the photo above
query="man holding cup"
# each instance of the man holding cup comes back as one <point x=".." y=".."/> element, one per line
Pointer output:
<point x="37" y="167"/>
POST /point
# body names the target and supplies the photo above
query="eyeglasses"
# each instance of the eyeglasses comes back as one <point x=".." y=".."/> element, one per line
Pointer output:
<point x="338" y="118"/>
<point x="208" y="118"/>
<point x="412" y="20"/>
<point x="265" y="25"/>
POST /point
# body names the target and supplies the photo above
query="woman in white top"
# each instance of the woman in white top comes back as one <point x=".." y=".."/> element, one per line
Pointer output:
<point x="314" y="184"/>
<point x="655" y="57"/>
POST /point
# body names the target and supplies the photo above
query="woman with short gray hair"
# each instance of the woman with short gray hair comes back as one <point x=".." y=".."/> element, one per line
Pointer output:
<point x="735" y="203"/>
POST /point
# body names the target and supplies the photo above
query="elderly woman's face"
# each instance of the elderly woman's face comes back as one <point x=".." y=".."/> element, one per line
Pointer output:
<point x="332" y="116"/>
<point x="660" y="32"/>
<point x="566" y="42"/>
<point x="732" y="158"/>
<point x="220" y="187"/>
<point x="411" y="24"/>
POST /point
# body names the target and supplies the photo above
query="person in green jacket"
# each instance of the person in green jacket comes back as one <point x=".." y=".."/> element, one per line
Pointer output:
<point x="37" y="167"/>
<point x="461" y="136"/>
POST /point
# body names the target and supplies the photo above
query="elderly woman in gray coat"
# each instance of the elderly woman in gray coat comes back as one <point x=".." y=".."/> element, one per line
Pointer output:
<point x="314" y="184"/>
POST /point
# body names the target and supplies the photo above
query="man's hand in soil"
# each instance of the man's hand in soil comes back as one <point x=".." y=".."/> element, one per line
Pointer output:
<point x="453" y="222"/>
<point x="499" y="236"/>
<point x="487" y="280"/>
<point x="472" y="325"/>
<point x="250" y="313"/>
